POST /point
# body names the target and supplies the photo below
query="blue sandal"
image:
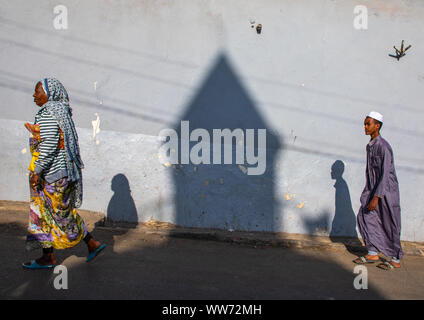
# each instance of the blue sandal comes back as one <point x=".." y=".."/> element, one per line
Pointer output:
<point x="92" y="255"/>
<point x="35" y="265"/>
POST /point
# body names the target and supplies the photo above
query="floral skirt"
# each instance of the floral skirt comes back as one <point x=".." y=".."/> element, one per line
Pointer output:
<point x="53" y="222"/>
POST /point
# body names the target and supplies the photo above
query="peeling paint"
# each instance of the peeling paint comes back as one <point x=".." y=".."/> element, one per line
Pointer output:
<point x="96" y="126"/>
<point x="321" y="231"/>
<point x="160" y="201"/>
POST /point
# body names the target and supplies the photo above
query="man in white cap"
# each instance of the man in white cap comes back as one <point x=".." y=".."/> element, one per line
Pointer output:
<point x="379" y="216"/>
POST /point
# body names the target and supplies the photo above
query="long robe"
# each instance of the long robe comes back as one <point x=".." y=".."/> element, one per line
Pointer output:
<point x="380" y="229"/>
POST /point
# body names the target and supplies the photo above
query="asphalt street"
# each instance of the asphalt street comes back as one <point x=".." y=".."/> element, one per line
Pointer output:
<point x="141" y="265"/>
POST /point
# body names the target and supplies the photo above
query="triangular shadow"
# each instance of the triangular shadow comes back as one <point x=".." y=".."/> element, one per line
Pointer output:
<point x="226" y="196"/>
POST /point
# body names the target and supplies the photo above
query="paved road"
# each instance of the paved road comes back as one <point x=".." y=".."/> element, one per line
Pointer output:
<point x="138" y="265"/>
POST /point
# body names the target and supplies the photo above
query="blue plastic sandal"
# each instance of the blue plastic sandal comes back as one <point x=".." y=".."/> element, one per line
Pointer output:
<point x="92" y="255"/>
<point x="35" y="265"/>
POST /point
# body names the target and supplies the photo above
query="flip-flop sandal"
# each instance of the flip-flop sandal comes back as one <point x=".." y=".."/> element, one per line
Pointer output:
<point x="35" y="265"/>
<point x="364" y="260"/>
<point x="92" y="255"/>
<point x="387" y="266"/>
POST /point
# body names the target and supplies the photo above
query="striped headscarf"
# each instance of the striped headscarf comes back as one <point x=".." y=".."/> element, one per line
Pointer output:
<point x="58" y="106"/>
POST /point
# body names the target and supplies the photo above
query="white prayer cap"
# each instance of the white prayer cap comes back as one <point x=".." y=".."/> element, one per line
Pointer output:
<point x="375" y="115"/>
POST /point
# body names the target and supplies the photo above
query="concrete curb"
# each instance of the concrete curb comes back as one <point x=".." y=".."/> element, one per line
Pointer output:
<point x="262" y="239"/>
<point x="16" y="213"/>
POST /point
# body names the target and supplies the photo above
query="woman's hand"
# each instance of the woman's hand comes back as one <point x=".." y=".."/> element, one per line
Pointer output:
<point x="373" y="204"/>
<point x="34" y="180"/>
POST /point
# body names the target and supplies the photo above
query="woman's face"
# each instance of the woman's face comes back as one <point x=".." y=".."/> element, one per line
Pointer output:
<point x="40" y="97"/>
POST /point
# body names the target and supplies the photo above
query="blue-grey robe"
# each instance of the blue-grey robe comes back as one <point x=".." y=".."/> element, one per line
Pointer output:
<point x="380" y="229"/>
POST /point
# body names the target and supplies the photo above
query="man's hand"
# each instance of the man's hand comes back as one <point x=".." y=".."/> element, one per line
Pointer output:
<point x="34" y="180"/>
<point x="373" y="204"/>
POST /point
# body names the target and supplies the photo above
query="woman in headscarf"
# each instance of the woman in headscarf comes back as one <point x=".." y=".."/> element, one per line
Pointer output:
<point x="55" y="178"/>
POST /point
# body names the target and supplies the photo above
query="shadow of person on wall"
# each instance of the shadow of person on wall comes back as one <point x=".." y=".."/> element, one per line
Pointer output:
<point x="121" y="206"/>
<point x="343" y="228"/>
<point x="121" y="215"/>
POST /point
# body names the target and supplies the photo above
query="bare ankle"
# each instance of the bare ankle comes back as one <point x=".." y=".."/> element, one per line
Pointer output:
<point x="93" y="245"/>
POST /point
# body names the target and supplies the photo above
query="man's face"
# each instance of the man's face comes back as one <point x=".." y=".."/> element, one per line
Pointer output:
<point x="371" y="126"/>
<point x="40" y="97"/>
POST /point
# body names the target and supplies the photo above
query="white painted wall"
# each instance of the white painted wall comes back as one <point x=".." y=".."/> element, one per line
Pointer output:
<point x="309" y="76"/>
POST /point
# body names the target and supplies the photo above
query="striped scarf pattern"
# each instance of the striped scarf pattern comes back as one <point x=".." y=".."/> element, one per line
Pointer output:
<point x="58" y="106"/>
